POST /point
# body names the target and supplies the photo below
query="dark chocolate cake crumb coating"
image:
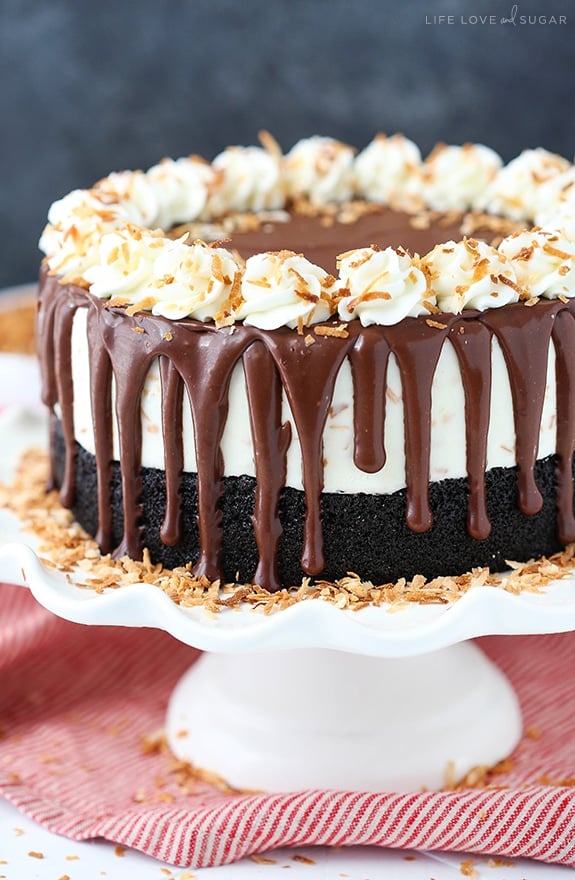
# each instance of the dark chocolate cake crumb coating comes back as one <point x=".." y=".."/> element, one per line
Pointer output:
<point x="273" y="534"/>
<point x="362" y="533"/>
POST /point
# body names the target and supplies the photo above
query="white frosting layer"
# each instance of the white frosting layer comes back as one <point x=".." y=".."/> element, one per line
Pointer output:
<point x="470" y="275"/>
<point x="381" y="286"/>
<point x="284" y="289"/>
<point x="457" y="178"/>
<point x="544" y="262"/>
<point x="387" y="171"/>
<point x="341" y="475"/>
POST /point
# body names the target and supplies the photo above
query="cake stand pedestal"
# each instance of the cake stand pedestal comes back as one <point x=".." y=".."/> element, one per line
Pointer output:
<point x="312" y="718"/>
<point x="313" y="695"/>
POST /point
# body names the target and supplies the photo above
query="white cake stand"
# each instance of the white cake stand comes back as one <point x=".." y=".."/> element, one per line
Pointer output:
<point x="314" y="696"/>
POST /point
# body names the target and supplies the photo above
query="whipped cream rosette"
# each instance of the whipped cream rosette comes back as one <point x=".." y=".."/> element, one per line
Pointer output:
<point x="284" y="289"/>
<point x="561" y="219"/>
<point x="319" y="169"/>
<point x="249" y="179"/>
<point x="556" y="197"/>
<point x="170" y="278"/>
<point x="126" y="264"/>
<point x="381" y="286"/>
<point x="387" y="171"/>
<point x="182" y="187"/>
<point x="544" y="262"/>
<point x="76" y="224"/>
<point x="470" y="275"/>
<point x="135" y="194"/>
<point x="195" y="281"/>
<point x="515" y="191"/>
<point x="457" y="178"/>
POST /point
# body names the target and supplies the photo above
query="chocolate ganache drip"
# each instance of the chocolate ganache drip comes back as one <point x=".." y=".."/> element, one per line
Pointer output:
<point x="197" y="360"/>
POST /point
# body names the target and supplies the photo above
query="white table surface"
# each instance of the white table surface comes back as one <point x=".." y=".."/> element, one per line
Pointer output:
<point x="63" y="858"/>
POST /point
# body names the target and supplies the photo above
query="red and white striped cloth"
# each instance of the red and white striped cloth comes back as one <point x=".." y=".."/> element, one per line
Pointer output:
<point x="75" y="702"/>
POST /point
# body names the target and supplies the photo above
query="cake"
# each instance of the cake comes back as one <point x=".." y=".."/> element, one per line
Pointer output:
<point x="274" y="367"/>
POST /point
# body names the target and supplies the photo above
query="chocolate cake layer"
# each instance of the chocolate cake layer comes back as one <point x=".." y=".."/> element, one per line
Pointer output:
<point x="366" y="534"/>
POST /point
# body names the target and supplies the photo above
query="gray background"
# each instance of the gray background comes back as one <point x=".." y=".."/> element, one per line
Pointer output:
<point x="90" y="87"/>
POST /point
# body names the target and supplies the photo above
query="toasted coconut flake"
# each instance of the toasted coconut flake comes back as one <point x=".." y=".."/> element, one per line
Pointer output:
<point x="468" y="870"/>
<point x="331" y="330"/>
<point x="304" y="860"/>
<point x="261" y="860"/>
<point x="420" y="221"/>
<point x="533" y="732"/>
<point x="270" y="144"/>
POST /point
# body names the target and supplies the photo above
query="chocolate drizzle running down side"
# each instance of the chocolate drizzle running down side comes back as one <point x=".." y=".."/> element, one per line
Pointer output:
<point x="564" y="340"/>
<point x="369" y="357"/>
<point x="311" y="369"/>
<point x="272" y="438"/>
<point x="525" y="344"/>
<point x="172" y="414"/>
<point x="198" y="360"/>
<point x="473" y="349"/>
<point x="101" y="400"/>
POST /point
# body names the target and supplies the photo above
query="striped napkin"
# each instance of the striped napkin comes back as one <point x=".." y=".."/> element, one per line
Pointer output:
<point x="80" y="707"/>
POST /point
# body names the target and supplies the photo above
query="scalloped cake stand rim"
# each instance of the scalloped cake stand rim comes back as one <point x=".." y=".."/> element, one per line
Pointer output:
<point x="407" y="631"/>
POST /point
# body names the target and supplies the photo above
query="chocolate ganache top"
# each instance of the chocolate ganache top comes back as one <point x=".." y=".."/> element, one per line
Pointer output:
<point x="323" y="237"/>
